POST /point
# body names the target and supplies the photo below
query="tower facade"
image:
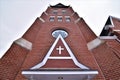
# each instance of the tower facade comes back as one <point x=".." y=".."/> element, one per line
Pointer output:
<point x="59" y="45"/>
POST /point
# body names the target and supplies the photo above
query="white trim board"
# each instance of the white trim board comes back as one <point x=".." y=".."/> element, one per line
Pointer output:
<point x="116" y="30"/>
<point x="41" y="19"/>
<point x="60" y="72"/>
<point x="69" y="51"/>
<point x="24" y="43"/>
<point x="108" y="37"/>
<point x="60" y="57"/>
<point x="60" y="75"/>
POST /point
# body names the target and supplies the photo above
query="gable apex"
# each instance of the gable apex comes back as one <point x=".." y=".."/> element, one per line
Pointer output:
<point x="59" y="5"/>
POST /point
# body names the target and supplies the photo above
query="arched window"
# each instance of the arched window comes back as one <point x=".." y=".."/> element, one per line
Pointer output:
<point x="56" y="33"/>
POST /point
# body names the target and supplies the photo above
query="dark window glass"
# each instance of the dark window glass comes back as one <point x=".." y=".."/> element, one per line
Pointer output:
<point x="60" y="19"/>
<point x="67" y="19"/>
<point x="52" y="18"/>
<point x="63" y="11"/>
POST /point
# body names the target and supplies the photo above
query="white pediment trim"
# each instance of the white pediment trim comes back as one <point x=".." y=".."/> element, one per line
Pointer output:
<point x="60" y="57"/>
<point x="50" y="51"/>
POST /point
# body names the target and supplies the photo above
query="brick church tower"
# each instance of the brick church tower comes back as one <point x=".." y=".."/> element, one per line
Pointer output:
<point x="59" y="45"/>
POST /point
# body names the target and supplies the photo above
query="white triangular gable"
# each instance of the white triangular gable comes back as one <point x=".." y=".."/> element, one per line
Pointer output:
<point x="69" y="51"/>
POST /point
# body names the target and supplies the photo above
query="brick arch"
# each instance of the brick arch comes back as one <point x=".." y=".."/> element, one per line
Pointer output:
<point x="60" y="28"/>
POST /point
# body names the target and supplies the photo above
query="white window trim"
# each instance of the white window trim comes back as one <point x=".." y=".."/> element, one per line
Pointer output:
<point x="67" y="17"/>
<point x="55" y="10"/>
<point x="59" y="16"/>
<point x="63" y="11"/>
<point x="50" y="51"/>
<point x="52" y="16"/>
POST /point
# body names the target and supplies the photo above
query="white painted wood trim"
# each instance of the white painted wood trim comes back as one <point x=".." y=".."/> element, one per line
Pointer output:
<point x="94" y="43"/>
<point x="116" y="30"/>
<point x="59" y="57"/>
<point x="73" y="13"/>
<point x="76" y="21"/>
<point x="108" y="37"/>
<point x="24" y="43"/>
<point x="59" y="72"/>
<point x="41" y="19"/>
<point x="46" y="13"/>
<point x="111" y="21"/>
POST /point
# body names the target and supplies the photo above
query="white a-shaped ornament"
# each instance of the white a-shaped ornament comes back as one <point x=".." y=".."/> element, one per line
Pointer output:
<point x="60" y="49"/>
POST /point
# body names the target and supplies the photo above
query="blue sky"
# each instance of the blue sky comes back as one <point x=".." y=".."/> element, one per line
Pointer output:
<point x="16" y="16"/>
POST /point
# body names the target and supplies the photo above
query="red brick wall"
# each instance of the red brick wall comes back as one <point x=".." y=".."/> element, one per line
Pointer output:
<point x="88" y="34"/>
<point x="108" y="62"/>
<point x="117" y="33"/>
<point x="11" y="62"/>
<point x="115" y="46"/>
<point x="116" y="23"/>
<point x="60" y="64"/>
<point x="48" y="10"/>
<point x="71" y="10"/>
<point x="32" y="32"/>
<point x="75" y="16"/>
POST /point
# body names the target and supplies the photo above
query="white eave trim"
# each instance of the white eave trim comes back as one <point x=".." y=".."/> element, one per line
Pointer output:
<point x="108" y="37"/>
<point x="116" y="30"/>
<point x="50" y="51"/>
<point x="111" y="21"/>
<point x="59" y="72"/>
<point x="94" y="43"/>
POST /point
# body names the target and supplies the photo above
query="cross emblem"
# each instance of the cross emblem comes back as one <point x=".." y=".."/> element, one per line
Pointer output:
<point x="60" y="49"/>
